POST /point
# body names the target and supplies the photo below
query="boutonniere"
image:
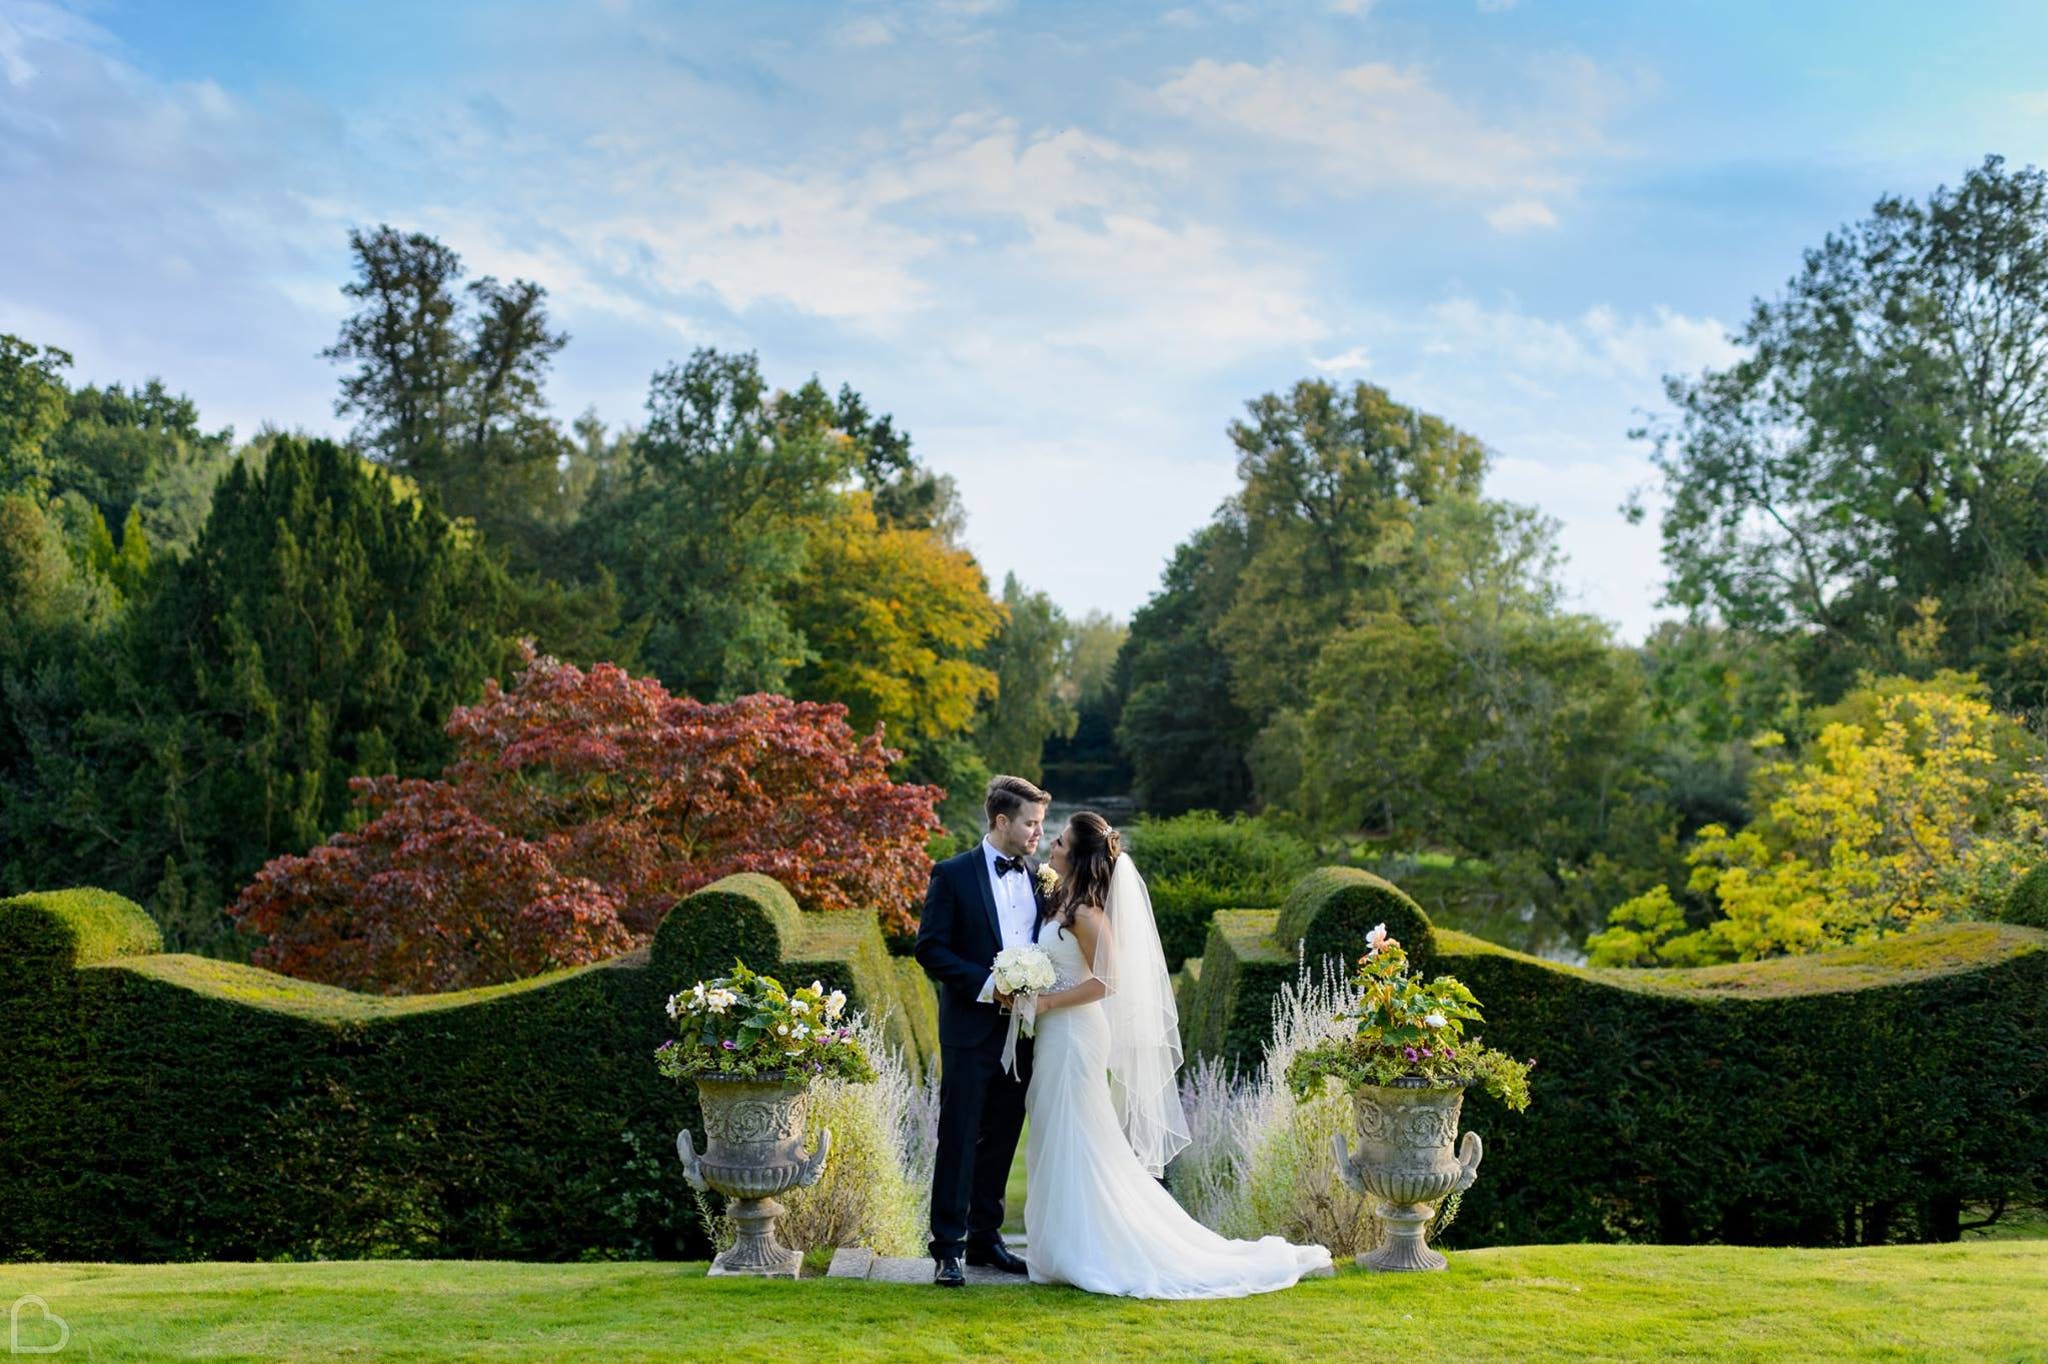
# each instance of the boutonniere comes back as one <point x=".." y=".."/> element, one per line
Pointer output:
<point x="1047" y="879"/>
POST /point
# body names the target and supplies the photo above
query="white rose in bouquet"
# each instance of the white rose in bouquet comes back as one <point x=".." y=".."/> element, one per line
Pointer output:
<point x="1023" y="970"/>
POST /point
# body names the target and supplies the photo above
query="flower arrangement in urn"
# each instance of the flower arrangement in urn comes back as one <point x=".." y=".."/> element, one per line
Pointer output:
<point x="747" y="1024"/>
<point x="1407" y="1063"/>
<point x="753" y="1049"/>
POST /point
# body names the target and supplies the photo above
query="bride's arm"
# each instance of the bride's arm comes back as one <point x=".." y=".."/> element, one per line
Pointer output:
<point x="1089" y="930"/>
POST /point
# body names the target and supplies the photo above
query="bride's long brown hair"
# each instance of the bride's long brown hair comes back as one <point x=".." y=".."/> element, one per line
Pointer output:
<point x="1092" y="850"/>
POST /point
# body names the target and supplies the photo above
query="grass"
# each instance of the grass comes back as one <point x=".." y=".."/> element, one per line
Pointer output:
<point x="1985" y="1301"/>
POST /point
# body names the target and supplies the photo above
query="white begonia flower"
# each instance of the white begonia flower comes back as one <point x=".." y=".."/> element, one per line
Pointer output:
<point x="782" y="1029"/>
<point x="800" y="1007"/>
<point x="1376" y="939"/>
<point x="1435" y="1020"/>
<point x="802" y="1030"/>
<point x="817" y="987"/>
<point x="835" y="1004"/>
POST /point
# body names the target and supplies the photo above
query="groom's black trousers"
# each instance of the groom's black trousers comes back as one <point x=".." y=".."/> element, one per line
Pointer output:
<point x="981" y="1111"/>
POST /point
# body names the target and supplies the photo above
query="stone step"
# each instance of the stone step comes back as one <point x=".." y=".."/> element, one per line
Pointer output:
<point x="851" y="1262"/>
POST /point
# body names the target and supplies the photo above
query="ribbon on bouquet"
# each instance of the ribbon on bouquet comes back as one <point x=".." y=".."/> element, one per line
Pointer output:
<point x="1023" y="1013"/>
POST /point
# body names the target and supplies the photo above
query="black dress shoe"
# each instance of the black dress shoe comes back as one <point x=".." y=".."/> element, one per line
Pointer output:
<point x="949" y="1274"/>
<point x="996" y="1256"/>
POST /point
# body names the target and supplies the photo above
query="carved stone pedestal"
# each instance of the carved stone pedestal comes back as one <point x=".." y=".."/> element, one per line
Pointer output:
<point x="753" y="1150"/>
<point x="1406" y="1161"/>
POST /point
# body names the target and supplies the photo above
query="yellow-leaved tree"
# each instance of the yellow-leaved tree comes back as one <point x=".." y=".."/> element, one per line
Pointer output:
<point x="895" y="618"/>
<point x="1915" y="802"/>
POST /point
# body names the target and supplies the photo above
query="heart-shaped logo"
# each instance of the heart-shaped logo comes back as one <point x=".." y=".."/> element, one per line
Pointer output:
<point x="34" y="1325"/>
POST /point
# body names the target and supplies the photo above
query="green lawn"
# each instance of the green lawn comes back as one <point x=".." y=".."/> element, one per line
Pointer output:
<point x="1986" y="1300"/>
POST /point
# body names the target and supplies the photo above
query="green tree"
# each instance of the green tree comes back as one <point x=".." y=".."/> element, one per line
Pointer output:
<point x="322" y="627"/>
<point x="1180" y="724"/>
<point x="1915" y="801"/>
<point x="140" y="451"/>
<point x="55" y="615"/>
<point x="452" y="396"/>
<point x="906" y="494"/>
<point x="1329" y="479"/>
<point x="408" y="348"/>
<point x="1027" y="708"/>
<point x="1880" y="445"/>
<point x="32" y="401"/>
<point x="1087" y="762"/>
<point x="709" y="527"/>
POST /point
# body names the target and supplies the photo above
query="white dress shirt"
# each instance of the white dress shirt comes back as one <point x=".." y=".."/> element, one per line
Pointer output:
<point x="1016" y="908"/>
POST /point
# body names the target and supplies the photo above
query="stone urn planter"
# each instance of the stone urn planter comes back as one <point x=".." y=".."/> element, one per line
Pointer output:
<point x="1405" y="1160"/>
<point x="753" y="1150"/>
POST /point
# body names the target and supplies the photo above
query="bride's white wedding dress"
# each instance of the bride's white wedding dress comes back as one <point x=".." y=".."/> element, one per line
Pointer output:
<point x="1093" y="1215"/>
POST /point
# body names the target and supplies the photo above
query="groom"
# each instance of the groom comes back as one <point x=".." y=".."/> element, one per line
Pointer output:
<point x="977" y="904"/>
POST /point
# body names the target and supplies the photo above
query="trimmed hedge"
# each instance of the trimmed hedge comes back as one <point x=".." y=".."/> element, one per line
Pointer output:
<point x="1859" y="1095"/>
<point x="1198" y="863"/>
<point x="753" y="919"/>
<point x="2027" y="902"/>
<point x="1226" y="997"/>
<point x="168" y="1107"/>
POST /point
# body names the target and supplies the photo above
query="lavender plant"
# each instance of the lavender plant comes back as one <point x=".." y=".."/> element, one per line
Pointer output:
<point x="876" y="1188"/>
<point x="1259" y="1163"/>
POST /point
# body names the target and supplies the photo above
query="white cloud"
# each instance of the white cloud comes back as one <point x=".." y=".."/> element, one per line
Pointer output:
<point x="870" y="31"/>
<point x="1521" y="215"/>
<point x="14" y="63"/>
<point x="752" y="237"/>
<point x="1380" y="125"/>
<point x="1352" y="359"/>
<point x="1554" y="397"/>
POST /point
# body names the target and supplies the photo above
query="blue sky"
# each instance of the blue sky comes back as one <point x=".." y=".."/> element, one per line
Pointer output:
<point x="1062" y="243"/>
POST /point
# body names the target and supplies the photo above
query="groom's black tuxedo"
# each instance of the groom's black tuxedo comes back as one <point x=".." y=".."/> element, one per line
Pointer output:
<point x="957" y="941"/>
<point x="981" y="1105"/>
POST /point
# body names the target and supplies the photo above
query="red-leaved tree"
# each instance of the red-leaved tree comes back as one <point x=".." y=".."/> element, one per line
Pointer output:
<point x="578" y="809"/>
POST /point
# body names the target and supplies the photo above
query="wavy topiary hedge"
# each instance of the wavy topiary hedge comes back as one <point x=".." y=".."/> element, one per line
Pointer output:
<point x="167" y="1107"/>
<point x="1226" y="997"/>
<point x="1864" y="1094"/>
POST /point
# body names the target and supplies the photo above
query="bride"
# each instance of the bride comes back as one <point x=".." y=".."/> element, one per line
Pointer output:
<point x="1105" y="1114"/>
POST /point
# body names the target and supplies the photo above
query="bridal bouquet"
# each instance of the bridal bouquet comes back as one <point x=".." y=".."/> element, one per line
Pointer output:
<point x="747" y="1024"/>
<point x="1022" y="972"/>
<point x="1403" y="1028"/>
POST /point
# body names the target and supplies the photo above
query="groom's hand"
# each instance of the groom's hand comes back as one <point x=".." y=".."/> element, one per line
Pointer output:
<point x="1004" y="1001"/>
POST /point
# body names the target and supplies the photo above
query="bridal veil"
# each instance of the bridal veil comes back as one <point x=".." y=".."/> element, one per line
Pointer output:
<point x="1144" y="1025"/>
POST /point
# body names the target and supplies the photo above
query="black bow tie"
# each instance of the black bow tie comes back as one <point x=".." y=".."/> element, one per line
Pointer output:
<point x="1006" y="865"/>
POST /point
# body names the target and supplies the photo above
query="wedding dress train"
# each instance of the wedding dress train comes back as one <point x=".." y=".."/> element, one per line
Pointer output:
<point x="1093" y="1216"/>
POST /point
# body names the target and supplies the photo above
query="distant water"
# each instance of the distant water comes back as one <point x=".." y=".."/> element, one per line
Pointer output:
<point x="1118" y="810"/>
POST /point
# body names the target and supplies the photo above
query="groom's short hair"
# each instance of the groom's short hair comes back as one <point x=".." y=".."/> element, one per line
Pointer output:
<point x="1008" y="795"/>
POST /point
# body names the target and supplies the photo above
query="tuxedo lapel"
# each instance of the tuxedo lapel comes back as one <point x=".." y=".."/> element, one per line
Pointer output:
<point x="1037" y="900"/>
<point x="978" y="869"/>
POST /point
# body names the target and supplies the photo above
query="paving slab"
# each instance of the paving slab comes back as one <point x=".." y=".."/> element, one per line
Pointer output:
<point x="851" y="1263"/>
